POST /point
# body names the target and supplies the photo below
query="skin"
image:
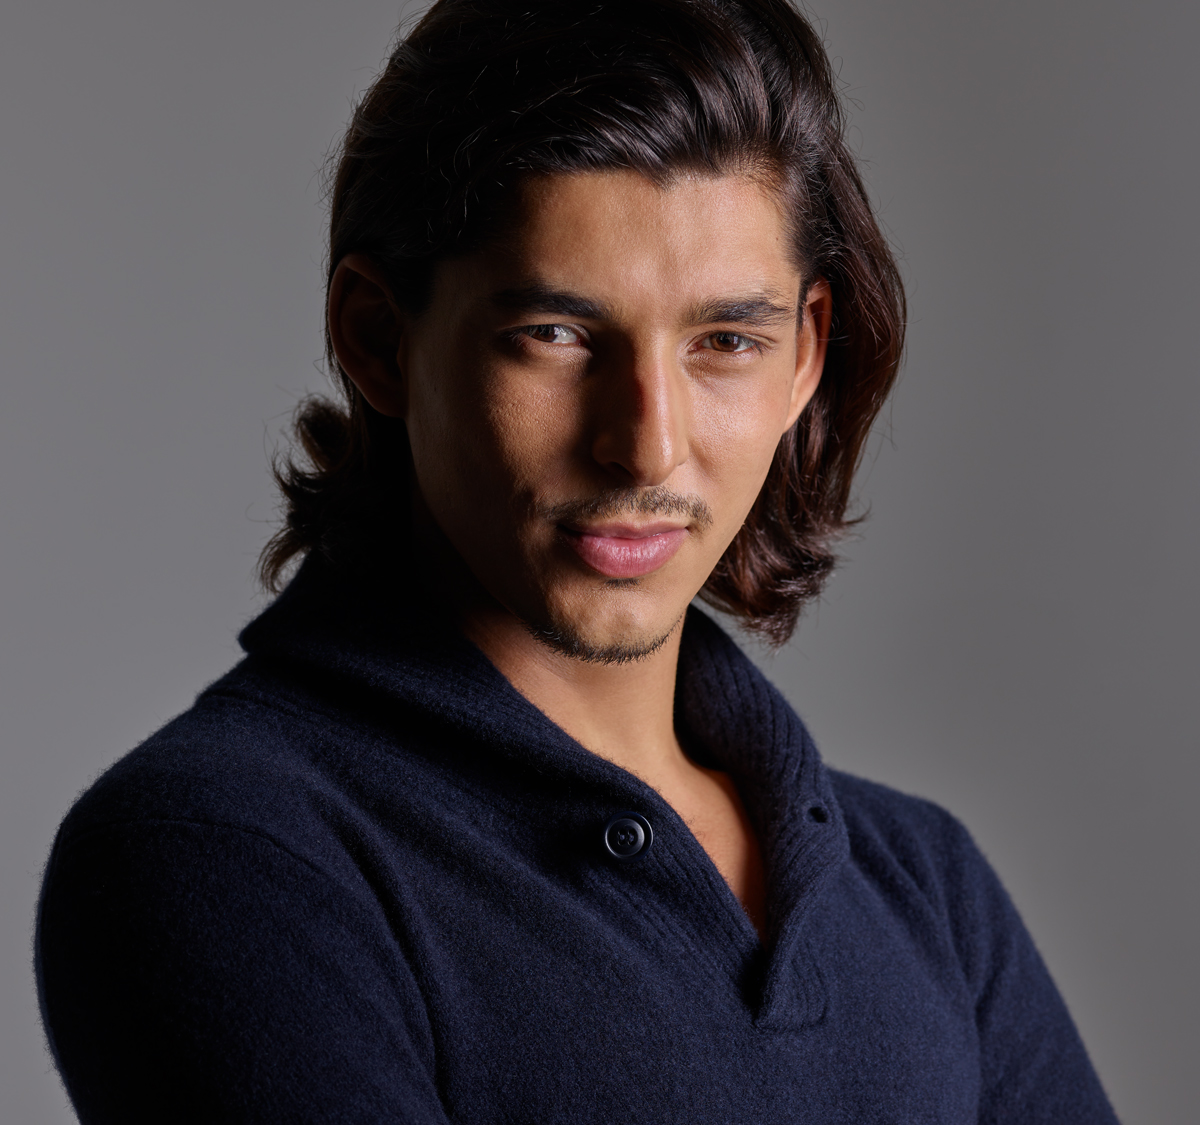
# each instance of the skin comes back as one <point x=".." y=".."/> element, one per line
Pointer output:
<point x="625" y="360"/>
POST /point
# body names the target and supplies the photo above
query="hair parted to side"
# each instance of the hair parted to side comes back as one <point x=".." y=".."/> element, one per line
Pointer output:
<point x="484" y="93"/>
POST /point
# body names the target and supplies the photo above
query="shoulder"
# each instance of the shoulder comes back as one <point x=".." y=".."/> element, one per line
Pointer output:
<point x="901" y="835"/>
<point x="913" y="830"/>
<point x="925" y="864"/>
<point x="252" y="753"/>
<point x="255" y="792"/>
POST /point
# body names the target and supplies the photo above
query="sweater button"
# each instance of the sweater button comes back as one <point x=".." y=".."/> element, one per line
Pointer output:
<point x="628" y="835"/>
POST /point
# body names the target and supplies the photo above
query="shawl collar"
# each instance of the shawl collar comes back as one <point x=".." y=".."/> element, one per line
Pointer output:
<point x="386" y="640"/>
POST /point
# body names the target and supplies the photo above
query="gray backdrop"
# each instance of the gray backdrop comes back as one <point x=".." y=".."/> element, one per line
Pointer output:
<point x="1014" y="632"/>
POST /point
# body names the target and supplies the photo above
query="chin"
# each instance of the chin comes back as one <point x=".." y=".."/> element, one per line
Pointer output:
<point x="578" y="645"/>
<point x="622" y="638"/>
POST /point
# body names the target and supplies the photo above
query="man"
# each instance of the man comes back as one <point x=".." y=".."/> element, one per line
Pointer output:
<point x="490" y="825"/>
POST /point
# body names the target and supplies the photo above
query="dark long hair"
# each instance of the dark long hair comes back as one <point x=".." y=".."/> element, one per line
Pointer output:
<point x="483" y="93"/>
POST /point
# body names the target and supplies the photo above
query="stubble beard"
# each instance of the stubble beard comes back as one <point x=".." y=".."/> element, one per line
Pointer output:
<point x="565" y="639"/>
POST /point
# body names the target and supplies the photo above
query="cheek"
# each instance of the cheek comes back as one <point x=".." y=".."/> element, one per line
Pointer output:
<point x="489" y="442"/>
<point x="530" y="426"/>
<point x="448" y="430"/>
<point x="736" y="433"/>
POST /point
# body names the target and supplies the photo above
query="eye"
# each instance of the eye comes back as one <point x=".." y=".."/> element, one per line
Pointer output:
<point x="552" y="334"/>
<point x="729" y="342"/>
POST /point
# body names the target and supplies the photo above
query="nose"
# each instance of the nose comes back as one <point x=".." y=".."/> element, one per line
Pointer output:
<point x="641" y="409"/>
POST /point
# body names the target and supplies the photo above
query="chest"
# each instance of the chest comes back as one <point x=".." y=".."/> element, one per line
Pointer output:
<point x="608" y="1001"/>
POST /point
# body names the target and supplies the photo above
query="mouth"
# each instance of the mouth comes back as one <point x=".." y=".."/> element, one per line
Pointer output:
<point x="625" y="550"/>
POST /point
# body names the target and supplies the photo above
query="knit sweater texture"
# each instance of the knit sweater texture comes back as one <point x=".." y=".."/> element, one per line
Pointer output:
<point x="363" y="879"/>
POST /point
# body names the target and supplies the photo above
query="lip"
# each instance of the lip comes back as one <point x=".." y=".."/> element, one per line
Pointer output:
<point x="625" y="550"/>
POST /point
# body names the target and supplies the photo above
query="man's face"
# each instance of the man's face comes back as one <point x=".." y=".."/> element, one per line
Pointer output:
<point x="593" y="404"/>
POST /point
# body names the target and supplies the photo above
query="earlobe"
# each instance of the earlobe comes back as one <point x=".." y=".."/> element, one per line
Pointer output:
<point x="366" y="329"/>
<point x="811" y="347"/>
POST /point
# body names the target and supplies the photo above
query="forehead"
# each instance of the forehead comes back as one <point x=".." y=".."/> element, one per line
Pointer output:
<point x="626" y="240"/>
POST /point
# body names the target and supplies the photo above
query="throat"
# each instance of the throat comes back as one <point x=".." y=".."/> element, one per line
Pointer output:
<point x="624" y="712"/>
<point x="710" y="805"/>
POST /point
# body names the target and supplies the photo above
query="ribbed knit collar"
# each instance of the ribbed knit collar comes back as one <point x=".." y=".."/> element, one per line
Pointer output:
<point x="386" y="641"/>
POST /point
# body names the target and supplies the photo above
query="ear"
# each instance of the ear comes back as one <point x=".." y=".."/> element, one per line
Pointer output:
<point x="811" y="345"/>
<point x="366" y="327"/>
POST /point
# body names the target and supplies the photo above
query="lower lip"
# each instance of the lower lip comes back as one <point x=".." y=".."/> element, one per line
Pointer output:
<point x="626" y="558"/>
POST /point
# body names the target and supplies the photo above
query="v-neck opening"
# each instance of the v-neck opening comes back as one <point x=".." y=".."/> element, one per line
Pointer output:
<point x="733" y="718"/>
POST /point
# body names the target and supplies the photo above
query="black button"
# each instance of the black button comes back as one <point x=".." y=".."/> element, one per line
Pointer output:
<point x="628" y="836"/>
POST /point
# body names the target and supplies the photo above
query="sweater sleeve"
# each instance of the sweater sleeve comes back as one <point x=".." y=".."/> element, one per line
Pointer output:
<point x="1033" y="1065"/>
<point x="1033" y="1068"/>
<point x="192" y="972"/>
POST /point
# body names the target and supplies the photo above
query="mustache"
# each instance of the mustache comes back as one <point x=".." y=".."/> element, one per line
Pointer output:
<point x="657" y="500"/>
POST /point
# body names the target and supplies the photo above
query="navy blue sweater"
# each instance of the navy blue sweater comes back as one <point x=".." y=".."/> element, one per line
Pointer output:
<point x="364" y="880"/>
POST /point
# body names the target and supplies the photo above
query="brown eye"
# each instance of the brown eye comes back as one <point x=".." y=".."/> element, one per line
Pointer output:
<point x="728" y="342"/>
<point x="552" y="334"/>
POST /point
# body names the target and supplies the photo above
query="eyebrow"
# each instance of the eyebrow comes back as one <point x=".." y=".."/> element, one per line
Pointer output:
<point x="758" y="309"/>
<point x="542" y="299"/>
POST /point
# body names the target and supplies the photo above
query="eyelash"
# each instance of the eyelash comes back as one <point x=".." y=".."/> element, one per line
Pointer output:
<point x="751" y="344"/>
<point x="529" y="330"/>
<point x="746" y="343"/>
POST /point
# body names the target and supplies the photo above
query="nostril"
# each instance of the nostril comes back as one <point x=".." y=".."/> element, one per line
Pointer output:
<point x="818" y="814"/>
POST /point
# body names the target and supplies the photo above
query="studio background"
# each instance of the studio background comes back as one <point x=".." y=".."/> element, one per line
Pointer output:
<point x="1014" y="631"/>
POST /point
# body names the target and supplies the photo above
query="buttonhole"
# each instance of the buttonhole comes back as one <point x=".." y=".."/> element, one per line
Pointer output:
<point x="818" y="814"/>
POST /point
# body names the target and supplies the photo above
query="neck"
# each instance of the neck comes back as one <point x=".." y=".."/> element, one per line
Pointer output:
<point x="622" y="712"/>
<point x="625" y="713"/>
